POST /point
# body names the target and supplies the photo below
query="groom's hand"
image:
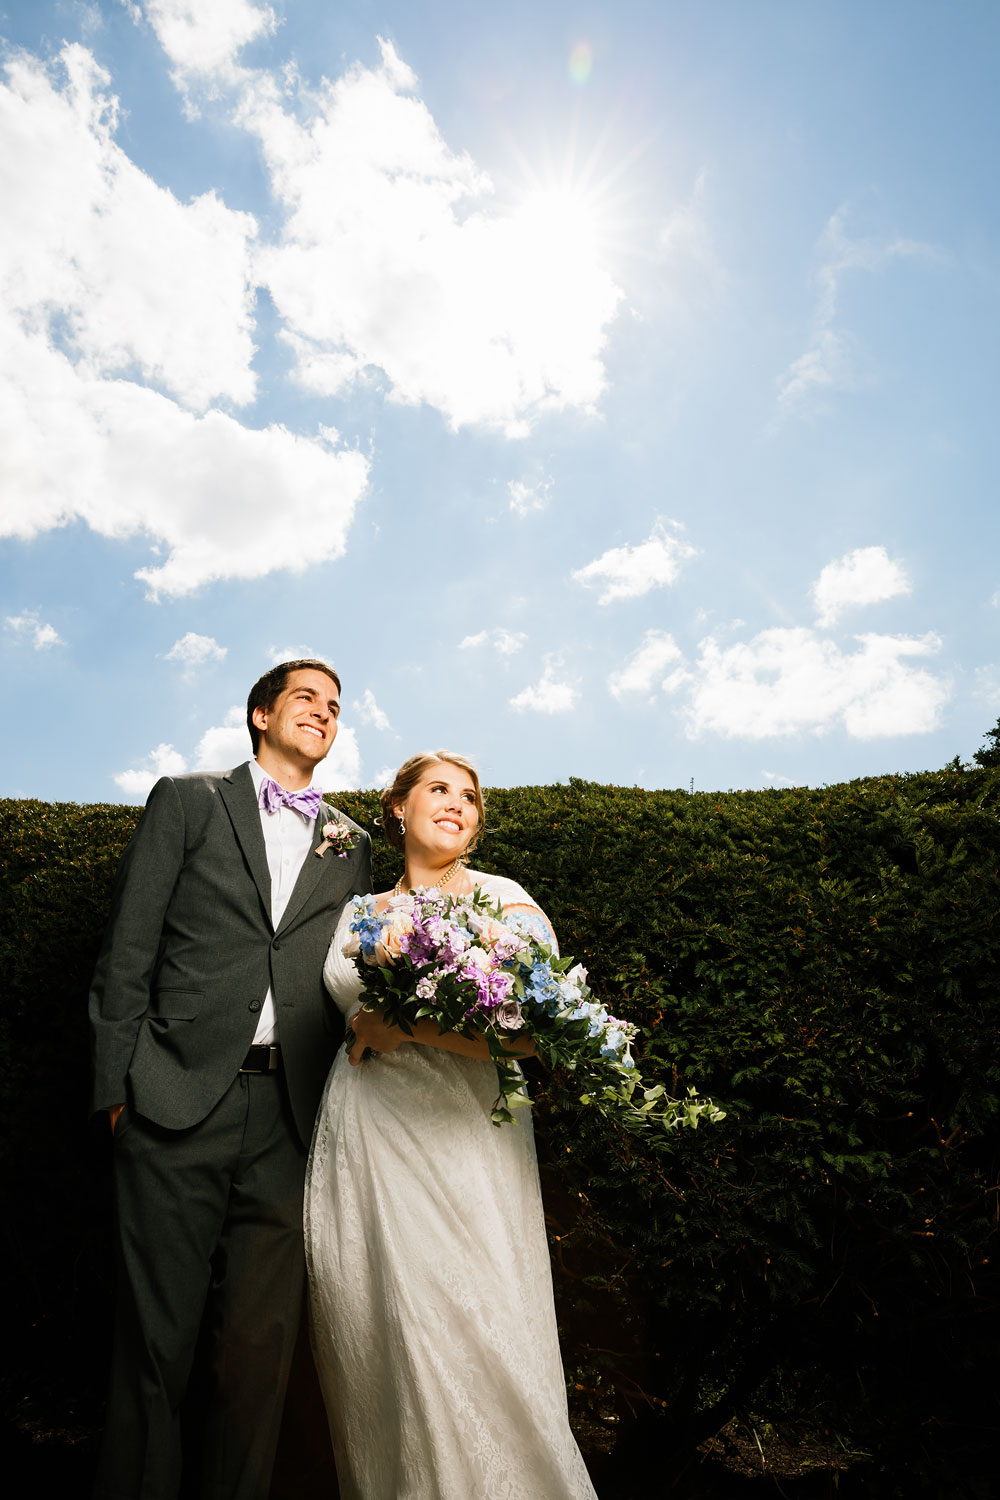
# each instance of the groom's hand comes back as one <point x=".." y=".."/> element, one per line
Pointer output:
<point x="370" y="1030"/>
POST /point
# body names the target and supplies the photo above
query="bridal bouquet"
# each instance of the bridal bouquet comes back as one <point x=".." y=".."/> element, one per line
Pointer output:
<point x="476" y="971"/>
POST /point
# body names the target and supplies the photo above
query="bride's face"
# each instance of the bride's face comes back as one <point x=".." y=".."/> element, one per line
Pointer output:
<point x="440" y="812"/>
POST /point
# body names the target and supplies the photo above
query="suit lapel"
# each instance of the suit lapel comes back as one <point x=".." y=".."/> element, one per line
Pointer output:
<point x="237" y="792"/>
<point x="313" y="869"/>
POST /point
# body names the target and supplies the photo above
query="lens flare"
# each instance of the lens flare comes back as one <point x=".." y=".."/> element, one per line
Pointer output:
<point x="581" y="60"/>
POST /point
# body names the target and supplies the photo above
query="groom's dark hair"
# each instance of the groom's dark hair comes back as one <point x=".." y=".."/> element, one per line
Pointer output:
<point x="266" y="689"/>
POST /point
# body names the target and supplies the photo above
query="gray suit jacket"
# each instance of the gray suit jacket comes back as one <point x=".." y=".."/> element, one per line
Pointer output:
<point x="190" y="951"/>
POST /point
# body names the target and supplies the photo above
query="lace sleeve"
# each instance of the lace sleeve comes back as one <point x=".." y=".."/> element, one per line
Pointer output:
<point x="517" y="902"/>
<point x="339" y="974"/>
<point x="535" y="922"/>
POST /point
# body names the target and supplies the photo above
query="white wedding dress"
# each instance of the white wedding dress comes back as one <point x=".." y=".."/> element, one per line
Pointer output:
<point x="433" y="1324"/>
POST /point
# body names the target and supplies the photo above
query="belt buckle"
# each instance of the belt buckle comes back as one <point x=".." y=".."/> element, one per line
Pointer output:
<point x="273" y="1063"/>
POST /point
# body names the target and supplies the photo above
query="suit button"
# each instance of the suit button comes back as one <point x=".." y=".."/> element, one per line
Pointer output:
<point x="276" y="945"/>
<point x="254" y="1005"/>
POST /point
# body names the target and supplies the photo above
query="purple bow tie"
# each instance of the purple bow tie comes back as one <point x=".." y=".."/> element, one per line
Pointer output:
<point x="272" y="796"/>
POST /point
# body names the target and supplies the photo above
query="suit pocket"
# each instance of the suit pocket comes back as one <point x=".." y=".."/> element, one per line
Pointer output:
<point x="175" y="1004"/>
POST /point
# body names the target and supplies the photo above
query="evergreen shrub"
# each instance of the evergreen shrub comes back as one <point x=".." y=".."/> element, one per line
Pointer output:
<point x="822" y="962"/>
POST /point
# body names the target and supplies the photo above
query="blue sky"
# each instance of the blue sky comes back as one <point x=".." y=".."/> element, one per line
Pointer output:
<point x="607" y="390"/>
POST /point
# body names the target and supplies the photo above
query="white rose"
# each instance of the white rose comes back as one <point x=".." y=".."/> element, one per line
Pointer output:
<point x="508" y="1015"/>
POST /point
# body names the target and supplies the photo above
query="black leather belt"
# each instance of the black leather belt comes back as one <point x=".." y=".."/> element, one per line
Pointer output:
<point x="262" y="1060"/>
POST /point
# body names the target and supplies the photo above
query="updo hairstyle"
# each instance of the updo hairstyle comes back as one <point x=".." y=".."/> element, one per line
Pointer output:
<point x="406" y="779"/>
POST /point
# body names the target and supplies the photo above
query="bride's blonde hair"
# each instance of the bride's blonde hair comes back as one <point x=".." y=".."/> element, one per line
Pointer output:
<point x="406" y="779"/>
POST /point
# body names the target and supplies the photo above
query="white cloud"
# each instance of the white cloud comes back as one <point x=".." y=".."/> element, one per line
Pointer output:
<point x="794" y="680"/>
<point x="548" y="695"/>
<point x="275" y="654"/>
<point x="774" y="778"/>
<point x="643" y="672"/>
<point x="867" y="575"/>
<point x="193" y="649"/>
<point x="525" y="497"/>
<point x="222" y="500"/>
<point x="202" y="37"/>
<point x="163" y="761"/>
<point x="385" y="777"/>
<point x="341" y="771"/>
<point x="629" y="572"/>
<point x="828" y="364"/>
<point x="505" y="642"/>
<point x="789" y="681"/>
<point x="225" y="744"/>
<point x="28" y="626"/>
<point x="392" y="260"/>
<point x="228" y="744"/>
<point x="107" y="280"/>
<point x="100" y="261"/>
<point x="88" y="17"/>
<point x="369" y="712"/>
<point x="508" y="641"/>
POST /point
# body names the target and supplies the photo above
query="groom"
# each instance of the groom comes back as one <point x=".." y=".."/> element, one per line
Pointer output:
<point x="212" y="1038"/>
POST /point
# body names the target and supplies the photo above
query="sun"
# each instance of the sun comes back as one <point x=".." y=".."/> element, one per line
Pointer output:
<point x="580" y="196"/>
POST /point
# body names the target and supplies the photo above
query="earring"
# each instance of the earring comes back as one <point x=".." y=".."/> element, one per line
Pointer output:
<point x="402" y="829"/>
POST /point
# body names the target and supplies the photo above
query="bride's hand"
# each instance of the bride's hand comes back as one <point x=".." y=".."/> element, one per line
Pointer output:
<point x="370" y="1030"/>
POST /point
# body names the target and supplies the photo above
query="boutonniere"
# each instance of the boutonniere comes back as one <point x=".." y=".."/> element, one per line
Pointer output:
<point x="336" y="836"/>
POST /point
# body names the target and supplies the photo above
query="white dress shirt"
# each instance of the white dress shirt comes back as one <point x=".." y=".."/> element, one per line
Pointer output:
<point x="288" y="838"/>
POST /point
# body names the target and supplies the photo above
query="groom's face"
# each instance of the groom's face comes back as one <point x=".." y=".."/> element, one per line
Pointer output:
<point x="301" y="723"/>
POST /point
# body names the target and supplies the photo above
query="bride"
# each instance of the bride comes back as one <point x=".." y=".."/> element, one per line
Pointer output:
<point x="433" y="1325"/>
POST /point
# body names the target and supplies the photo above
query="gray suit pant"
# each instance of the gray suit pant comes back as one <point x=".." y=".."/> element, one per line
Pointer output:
<point x="211" y="1263"/>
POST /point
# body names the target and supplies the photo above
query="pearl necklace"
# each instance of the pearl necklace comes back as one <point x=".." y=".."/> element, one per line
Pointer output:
<point x="397" y="889"/>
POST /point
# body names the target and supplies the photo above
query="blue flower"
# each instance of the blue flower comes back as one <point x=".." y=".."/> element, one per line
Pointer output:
<point x="367" y="924"/>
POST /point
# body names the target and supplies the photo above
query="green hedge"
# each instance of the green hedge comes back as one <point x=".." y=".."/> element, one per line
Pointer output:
<point x="823" y="962"/>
